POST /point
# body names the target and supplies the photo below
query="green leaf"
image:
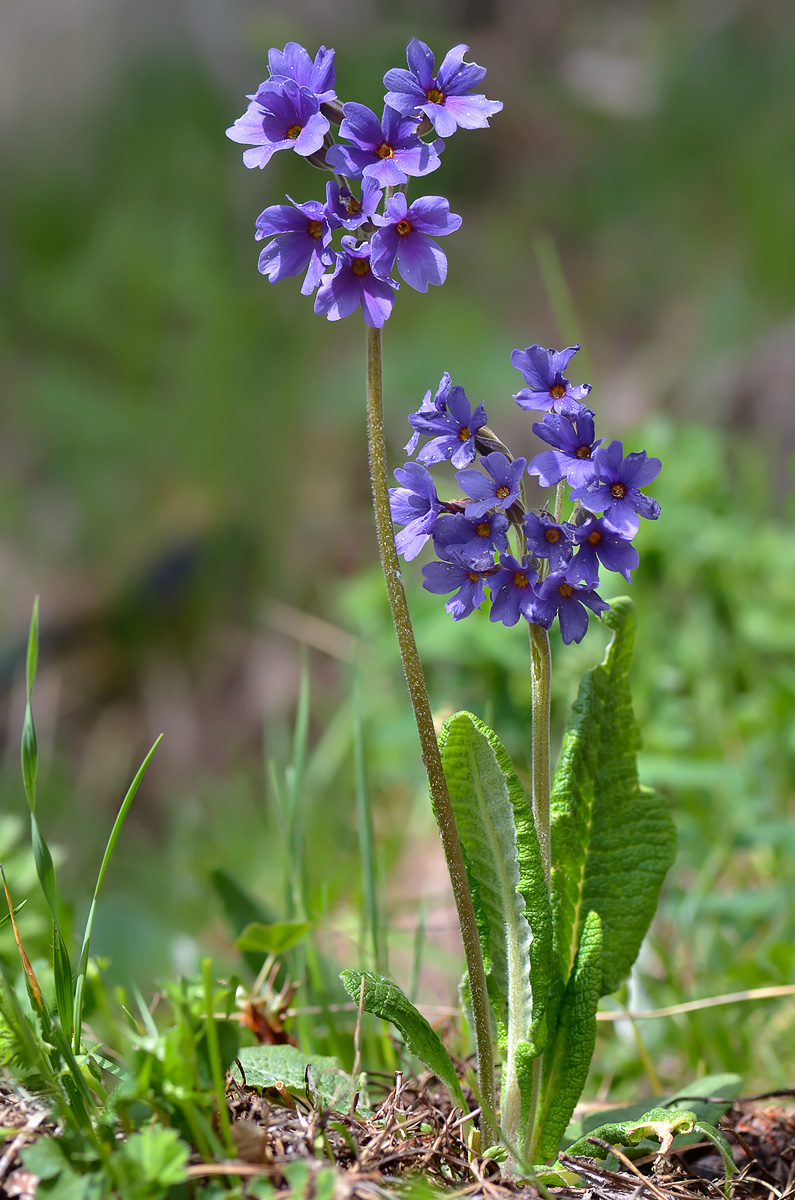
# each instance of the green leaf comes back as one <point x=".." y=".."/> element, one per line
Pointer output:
<point x="726" y="1085"/>
<point x="273" y="939"/>
<point x="64" y="987"/>
<point x="722" y="1146"/>
<point x="506" y="876"/>
<point x="265" y="1066"/>
<point x="612" y="840"/>
<point x="567" y="1061"/>
<point x="154" y="1158"/>
<point x="385" y="999"/>
<point x="662" y="1123"/>
<point x="30" y="751"/>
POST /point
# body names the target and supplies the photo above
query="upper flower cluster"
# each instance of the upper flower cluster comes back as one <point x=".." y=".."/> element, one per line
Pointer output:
<point x="552" y="570"/>
<point x="294" y="109"/>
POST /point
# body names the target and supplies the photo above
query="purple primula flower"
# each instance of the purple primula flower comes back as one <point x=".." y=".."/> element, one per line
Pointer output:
<point x="499" y="489"/>
<point x="446" y="97"/>
<point x="458" y="572"/>
<point x="548" y="539"/>
<point x="282" y="116"/>
<point x="301" y="238"/>
<point x="615" y="491"/>
<point x="415" y="505"/>
<point x="428" y="407"/>
<point x="387" y="150"/>
<point x="511" y="589"/>
<point x="546" y="385"/>
<point x="403" y="238"/>
<point x="352" y="283"/>
<point x="293" y="62"/>
<point x="572" y="435"/>
<point x="560" y="595"/>
<point x="453" y="429"/>
<point x="473" y="540"/>
<point x="345" y="209"/>
<point x="600" y="544"/>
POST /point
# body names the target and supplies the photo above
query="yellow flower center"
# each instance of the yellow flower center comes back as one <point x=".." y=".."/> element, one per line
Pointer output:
<point x="483" y="529"/>
<point x="402" y="228"/>
<point x="360" y="266"/>
<point x="502" y="492"/>
<point x="463" y="434"/>
<point x="583" y="452"/>
<point x="473" y="575"/>
<point x="385" y="150"/>
<point x="315" y="229"/>
<point x="557" y="391"/>
<point x="294" y="131"/>
<point x="565" y="590"/>
<point x="353" y="206"/>
<point x="618" y="491"/>
<point x="434" y="96"/>
<point x="520" y="579"/>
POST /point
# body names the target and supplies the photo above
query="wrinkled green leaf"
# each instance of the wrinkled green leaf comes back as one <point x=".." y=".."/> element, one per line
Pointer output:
<point x="567" y="1060"/>
<point x="612" y="840"/>
<point x="385" y="999"/>
<point x="726" y="1085"/>
<point x="656" y="1123"/>
<point x="265" y="1066"/>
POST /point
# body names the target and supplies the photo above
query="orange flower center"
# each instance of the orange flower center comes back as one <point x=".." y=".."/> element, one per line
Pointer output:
<point x="385" y="150"/>
<point x="353" y="206"/>
<point x="360" y="266"/>
<point x="315" y="229"/>
<point x="594" y="538"/>
<point x="618" y="491"/>
<point x="294" y="131"/>
<point x="565" y="590"/>
<point x="520" y="579"/>
<point x="473" y="575"/>
<point x="402" y="228"/>
<point x="552" y="536"/>
<point x="464" y="435"/>
<point x="502" y="492"/>
<point x="434" y="96"/>
<point x="557" y="391"/>
<point x="583" y="452"/>
<point x="483" y="529"/>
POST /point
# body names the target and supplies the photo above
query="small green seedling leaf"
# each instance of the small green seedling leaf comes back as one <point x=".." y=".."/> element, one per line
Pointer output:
<point x="285" y="1066"/>
<point x="660" y="1123"/>
<point x="724" y="1149"/>
<point x="385" y="999"/>
<point x="273" y="939"/>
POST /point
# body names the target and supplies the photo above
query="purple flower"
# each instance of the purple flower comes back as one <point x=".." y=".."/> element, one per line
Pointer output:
<point x="403" y="238"/>
<point x="499" y="489"/>
<point x="511" y="589"/>
<point x="572" y="435"/>
<point x="453" y="429"/>
<point x="446" y="97"/>
<point x="615" y="491"/>
<point x="548" y="539"/>
<point x="301" y="237"/>
<point x="460" y="573"/>
<point x="546" y="385"/>
<point x="282" y="116"/>
<point x="559" y="595"/>
<point x="600" y="544"/>
<point x="293" y="62"/>
<point x="473" y="540"/>
<point x="345" y="209"/>
<point x="429" y="407"/>
<point x="353" y="283"/>
<point x="387" y="151"/>
<point x="414" y="505"/>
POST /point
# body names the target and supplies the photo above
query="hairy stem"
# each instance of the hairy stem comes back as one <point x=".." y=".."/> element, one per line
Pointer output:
<point x="440" y="798"/>
<point x="540" y="673"/>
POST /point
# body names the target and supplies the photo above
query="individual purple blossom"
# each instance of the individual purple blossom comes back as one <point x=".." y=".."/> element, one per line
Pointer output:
<point x="415" y="505"/>
<point x="446" y="97"/>
<point x="548" y="539"/>
<point x="352" y="283"/>
<point x="345" y="209"/>
<point x="294" y="62"/>
<point x="472" y="539"/>
<point x="511" y="587"/>
<point x="572" y="435"/>
<point x="600" y="544"/>
<point x="615" y="491"/>
<point x="281" y="116"/>
<point x="560" y="595"/>
<point x="499" y="489"/>
<point x="462" y="574"/>
<point x="429" y="406"/>
<point x="387" y="151"/>
<point x="301" y="236"/>
<point x="453" y="429"/>
<point x="546" y="385"/>
<point x="403" y="238"/>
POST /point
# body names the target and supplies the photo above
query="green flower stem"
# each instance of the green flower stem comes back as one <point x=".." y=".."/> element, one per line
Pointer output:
<point x="540" y="673"/>
<point x="440" y="798"/>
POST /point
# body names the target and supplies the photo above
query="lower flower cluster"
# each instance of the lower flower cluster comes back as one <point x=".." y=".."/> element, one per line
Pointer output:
<point x="533" y="564"/>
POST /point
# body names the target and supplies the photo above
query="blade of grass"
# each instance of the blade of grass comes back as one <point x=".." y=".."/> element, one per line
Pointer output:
<point x="559" y="296"/>
<point x="295" y="863"/>
<point x="214" y="1057"/>
<point x="82" y="966"/>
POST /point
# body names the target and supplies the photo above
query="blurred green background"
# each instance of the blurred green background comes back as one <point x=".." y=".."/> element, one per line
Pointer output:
<point x="184" y="468"/>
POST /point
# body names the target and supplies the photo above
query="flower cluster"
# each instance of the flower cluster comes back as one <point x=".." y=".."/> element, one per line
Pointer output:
<point x="552" y="570"/>
<point x="294" y="109"/>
